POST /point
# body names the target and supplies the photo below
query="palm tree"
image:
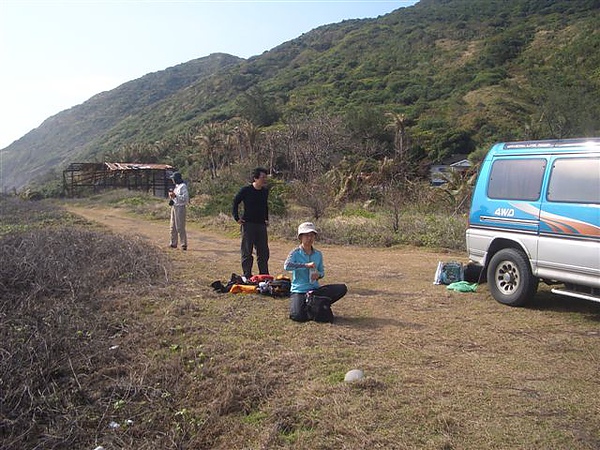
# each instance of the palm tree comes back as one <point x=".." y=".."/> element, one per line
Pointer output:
<point x="458" y="187"/>
<point x="248" y="134"/>
<point x="210" y="140"/>
<point x="398" y="126"/>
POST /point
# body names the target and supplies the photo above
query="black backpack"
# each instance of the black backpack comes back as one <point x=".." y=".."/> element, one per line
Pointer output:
<point x="318" y="308"/>
<point x="280" y="287"/>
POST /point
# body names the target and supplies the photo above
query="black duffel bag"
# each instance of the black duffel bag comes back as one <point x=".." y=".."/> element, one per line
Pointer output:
<point x="318" y="308"/>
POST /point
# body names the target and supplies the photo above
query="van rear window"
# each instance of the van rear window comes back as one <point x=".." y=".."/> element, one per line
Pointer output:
<point x="516" y="179"/>
<point x="575" y="180"/>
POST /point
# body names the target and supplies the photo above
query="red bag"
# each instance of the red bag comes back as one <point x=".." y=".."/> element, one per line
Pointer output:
<point x="255" y="279"/>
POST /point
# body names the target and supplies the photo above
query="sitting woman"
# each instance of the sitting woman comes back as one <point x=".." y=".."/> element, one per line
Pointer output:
<point x="306" y="264"/>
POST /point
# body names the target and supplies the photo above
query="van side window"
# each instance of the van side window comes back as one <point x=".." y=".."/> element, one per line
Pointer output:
<point x="516" y="179"/>
<point x="575" y="180"/>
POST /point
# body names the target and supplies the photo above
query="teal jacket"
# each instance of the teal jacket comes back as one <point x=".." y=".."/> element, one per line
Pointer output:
<point x="296" y="263"/>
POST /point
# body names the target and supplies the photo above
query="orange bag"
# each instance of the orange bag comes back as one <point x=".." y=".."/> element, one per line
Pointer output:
<point x="243" y="289"/>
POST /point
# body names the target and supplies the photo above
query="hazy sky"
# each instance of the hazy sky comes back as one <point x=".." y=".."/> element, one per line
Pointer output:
<point x="56" y="54"/>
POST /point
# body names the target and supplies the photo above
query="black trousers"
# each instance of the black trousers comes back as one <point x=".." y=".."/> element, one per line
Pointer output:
<point x="254" y="235"/>
<point x="298" y="300"/>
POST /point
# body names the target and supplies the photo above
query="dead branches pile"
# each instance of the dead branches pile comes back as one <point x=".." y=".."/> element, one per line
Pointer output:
<point x="53" y="336"/>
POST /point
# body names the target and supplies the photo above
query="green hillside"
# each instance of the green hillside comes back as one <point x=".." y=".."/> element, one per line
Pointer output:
<point x="419" y="84"/>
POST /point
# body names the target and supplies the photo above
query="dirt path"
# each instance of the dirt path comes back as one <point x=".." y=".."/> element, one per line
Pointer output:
<point x="390" y="287"/>
<point x="363" y="269"/>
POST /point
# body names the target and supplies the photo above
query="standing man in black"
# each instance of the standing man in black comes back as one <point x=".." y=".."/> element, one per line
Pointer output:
<point x="254" y="222"/>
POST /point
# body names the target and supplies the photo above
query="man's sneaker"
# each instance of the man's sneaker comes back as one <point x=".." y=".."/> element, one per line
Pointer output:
<point x="184" y="247"/>
<point x="173" y="246"/>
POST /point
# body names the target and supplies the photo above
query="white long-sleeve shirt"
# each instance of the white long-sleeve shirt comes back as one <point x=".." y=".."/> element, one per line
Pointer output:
<point x="182" y="196"/>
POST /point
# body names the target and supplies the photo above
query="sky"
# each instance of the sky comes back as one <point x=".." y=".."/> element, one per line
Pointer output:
<point x="56" y="54"/>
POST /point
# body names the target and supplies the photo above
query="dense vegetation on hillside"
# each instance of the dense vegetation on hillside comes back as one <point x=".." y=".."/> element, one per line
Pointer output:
<point x="385" y="96"/>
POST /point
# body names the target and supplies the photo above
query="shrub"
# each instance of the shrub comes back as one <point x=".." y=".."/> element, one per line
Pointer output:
<point x="56" y="262"/>
<point x="54" y="336"/>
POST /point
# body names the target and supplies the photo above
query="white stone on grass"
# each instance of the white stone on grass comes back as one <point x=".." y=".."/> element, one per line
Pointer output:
<point x="354" y="375"/>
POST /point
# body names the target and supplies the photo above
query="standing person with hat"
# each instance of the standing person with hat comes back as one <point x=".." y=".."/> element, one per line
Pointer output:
<point x="179" y="198"/>
<point x="254" y="222"/>
<point x="306" y="264"/>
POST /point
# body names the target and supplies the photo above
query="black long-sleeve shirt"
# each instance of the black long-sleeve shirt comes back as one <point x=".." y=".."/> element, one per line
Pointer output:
<point x="256" y="209"/>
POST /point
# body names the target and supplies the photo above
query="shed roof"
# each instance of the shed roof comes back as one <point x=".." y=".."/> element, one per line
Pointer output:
<point x="136" y="166"/>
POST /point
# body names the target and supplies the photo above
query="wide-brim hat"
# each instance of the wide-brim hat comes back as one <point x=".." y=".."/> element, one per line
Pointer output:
<point x="306" y="227"/>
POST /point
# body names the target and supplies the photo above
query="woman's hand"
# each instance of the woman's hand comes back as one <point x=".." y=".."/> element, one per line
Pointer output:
<point x="313" y="272"/>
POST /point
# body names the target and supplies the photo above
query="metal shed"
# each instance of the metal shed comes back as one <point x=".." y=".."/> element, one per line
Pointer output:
<point x="80" y="179"/>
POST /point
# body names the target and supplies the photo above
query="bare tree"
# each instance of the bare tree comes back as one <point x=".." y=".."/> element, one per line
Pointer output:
<point x="314" y="146"/>
<point x="315" y="194"/>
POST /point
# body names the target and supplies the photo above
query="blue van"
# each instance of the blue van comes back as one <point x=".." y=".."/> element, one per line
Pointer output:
<point x="535" y="216"/>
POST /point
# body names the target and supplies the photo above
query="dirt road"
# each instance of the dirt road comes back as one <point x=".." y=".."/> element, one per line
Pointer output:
<point x="395" y="272"/>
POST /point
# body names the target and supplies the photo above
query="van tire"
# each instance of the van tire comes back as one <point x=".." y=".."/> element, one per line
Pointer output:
<point x="510" y="279"/>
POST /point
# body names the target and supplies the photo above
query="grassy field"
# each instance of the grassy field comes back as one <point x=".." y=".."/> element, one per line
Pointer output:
<point x="162" y="361"/>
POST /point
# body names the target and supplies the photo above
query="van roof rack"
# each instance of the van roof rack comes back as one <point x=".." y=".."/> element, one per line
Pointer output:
<point x="554" y="143"/>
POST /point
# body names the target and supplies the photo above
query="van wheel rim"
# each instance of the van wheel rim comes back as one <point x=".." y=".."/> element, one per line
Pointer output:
<point x="507" y="277"/>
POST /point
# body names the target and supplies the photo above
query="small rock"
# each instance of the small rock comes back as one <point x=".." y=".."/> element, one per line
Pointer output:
<point x="354" y="375"/>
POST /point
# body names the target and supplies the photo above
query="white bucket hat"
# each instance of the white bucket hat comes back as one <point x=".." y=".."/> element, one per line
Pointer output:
<point x="306" y="227"/>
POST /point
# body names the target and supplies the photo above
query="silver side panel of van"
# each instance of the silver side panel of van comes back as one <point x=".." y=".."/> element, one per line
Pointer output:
<point x="569" y="260"/>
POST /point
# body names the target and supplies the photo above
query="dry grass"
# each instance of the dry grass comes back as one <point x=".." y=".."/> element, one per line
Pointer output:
<point x="195" y="369"/>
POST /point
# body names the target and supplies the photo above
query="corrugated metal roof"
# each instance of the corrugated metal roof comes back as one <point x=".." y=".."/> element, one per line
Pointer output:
<point x="136" y="166"/>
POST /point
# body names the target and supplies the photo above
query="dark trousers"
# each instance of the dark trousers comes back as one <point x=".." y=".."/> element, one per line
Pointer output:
<point x="298" y="300"/>
<point x="254" y="235"/>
